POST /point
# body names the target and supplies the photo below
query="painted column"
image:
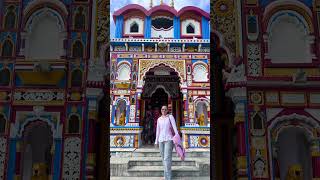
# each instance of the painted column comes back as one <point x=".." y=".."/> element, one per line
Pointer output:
<point x="185" y="107"/>
<point x="239" y="121"/>
<point x="91" y="160"/>
<point x="137" y="109"/>
<point x="315" y="153"/>
<point x="57" y="158"/>
<point x="18" y="158"/>
<point x="92" y="116"/>
<point x="12" y="159"/>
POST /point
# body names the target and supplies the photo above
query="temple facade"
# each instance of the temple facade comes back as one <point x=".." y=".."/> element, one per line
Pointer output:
<point x="52" y="71"/>
<point x="266" y="55"/>
<point x="159" y="56"/>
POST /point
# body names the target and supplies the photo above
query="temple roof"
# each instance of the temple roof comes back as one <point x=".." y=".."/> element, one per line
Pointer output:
<point x="162" y="7"/>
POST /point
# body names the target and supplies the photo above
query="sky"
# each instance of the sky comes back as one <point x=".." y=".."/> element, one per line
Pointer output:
<point x="178" y="4"/>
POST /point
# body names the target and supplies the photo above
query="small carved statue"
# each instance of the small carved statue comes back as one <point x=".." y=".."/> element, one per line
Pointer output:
<point x="122" y="119"/>
<point x="294" y="172"/>
<point x="39" y="171"/>
<point x="201" y="119"/>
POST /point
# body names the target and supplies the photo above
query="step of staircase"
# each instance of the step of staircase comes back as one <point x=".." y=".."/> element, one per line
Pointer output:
<point x="147" y="162"/>
<point x="158" y="162"/>
<point x="157" y="171"/>
<point x="154" y="152"/>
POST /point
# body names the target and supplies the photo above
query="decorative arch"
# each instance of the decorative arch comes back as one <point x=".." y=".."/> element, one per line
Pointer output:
<point x="280" y="28"/>
<point x="124" y="71"/>
<point x="280" y="123"/>
<point x="56" y="132"/>
<point x="56" y="20"/>
<point x="54" y="4"/>
<point x="172" y="64"/>
<point x="307" y="125"/>
<point x="162" y="87"/>
<point x="37" y="15"/>
<point x="293" y="5"/>
<point x="200" y="72"/>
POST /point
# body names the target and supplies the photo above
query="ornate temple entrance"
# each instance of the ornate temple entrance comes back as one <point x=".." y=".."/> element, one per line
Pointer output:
<point x="161" y="87"/>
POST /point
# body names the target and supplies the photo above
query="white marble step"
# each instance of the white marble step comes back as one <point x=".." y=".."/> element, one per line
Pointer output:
<point x="157" y="171"/>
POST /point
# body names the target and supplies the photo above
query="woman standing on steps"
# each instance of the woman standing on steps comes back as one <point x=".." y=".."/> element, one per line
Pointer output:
<point x="164" y="137"/>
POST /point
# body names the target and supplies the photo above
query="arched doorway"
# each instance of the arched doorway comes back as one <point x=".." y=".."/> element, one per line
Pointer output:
<point x="37" y="150"/>
<point x="294" y="149"/>
<point x="161" y="87"/>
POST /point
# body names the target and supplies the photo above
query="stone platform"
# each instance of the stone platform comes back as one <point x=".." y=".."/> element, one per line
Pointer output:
<point x="146" y="163"/>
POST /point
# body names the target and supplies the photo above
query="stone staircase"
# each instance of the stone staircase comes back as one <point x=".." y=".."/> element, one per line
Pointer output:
<point x="146" y="163"/>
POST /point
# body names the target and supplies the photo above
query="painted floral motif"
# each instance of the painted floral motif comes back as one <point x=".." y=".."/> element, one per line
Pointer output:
<point x="71" y="156"/>
<point x="3" y="147"/>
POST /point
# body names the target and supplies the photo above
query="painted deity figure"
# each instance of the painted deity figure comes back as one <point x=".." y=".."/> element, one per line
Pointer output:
<point x="294" y="172"/>
<point x="201" y="119"/>
<point x="122" y="119"/>
<point x="39" y="171"/>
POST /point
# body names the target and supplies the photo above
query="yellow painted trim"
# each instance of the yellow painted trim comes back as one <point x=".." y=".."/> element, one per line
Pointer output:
<point x="36" y="78"/>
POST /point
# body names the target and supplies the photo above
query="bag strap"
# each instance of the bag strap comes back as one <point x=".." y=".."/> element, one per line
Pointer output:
<point x="172" y="126"/>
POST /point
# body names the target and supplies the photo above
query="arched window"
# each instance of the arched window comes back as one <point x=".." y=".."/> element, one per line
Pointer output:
<point x="252" y="24"/>
<point x="200" y="73"/>
<point x="134" y="28"/>
<point x="77" y="50"/>
<point x="4" y="77"/>
<point x="2" y="124"/>
<point x="10" y="18"/>
<point x="124" y="72"/>
<point x="257" y="122"/>
<point x="76" y="78"/>
<point x="288" y="38"/>
<point x="74" y="124"/>
<point x="7" y="48"/>
<point x="190" y="29"/>
<point x="79" y="19"/>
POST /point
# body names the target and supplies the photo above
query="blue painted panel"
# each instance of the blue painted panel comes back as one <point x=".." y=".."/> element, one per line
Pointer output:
<point x="124" y="59"/>
<point x="147" y="29"/>
<point x="12" y="159"/>
<point x="119" y="27"/>
<point x="205" y="28"/>
<point x="196" y="60"/>
<point x="176" y="27"/>
<point x="57" y="159"/>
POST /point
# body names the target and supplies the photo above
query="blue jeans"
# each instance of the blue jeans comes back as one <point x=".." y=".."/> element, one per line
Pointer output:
<point x="166" y="148"/>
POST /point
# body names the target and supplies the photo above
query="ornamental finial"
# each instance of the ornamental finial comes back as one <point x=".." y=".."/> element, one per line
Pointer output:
<point x="151" y="3"/>
<point x="172" y="3"/>
<point x="161" y="2"/>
